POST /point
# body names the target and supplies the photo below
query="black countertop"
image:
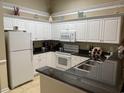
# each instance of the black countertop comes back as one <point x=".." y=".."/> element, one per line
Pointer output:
<point x="91" y="86"/>
<point x="82" y="53"/>
<point x="115" y="57"/>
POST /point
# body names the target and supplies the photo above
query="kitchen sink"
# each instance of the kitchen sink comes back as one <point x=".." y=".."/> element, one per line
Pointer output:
<point x="87" y="65"/>
<point x="90" y="62"/>
<point x="83" y="67"/>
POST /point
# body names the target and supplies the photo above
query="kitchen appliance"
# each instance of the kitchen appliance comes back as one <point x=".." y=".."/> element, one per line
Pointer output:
<point x="19" y="57"/>
<point x="63" y="59"/>
<point x="68" y="36"/>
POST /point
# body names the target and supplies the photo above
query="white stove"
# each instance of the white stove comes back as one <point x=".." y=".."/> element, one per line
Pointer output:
<point x="63" y="59"/>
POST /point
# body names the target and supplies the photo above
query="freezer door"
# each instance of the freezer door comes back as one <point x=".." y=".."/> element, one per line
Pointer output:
<point x="20" y="68"/>
<point x="18" y="41"/>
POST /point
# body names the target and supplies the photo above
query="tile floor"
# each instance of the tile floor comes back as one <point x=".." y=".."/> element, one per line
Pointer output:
<point x="31" y="87"/>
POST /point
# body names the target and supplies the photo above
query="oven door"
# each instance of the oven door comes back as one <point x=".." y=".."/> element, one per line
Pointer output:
<point x="63" y="62"/>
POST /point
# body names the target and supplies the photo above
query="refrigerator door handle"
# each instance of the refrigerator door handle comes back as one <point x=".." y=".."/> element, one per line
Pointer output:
<point x="31" y="46"/>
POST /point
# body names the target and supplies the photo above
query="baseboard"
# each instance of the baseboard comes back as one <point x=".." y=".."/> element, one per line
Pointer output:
<point x="5" y="90"/>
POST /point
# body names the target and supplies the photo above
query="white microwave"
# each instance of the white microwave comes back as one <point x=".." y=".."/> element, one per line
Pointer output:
<point x="68" y="36"/>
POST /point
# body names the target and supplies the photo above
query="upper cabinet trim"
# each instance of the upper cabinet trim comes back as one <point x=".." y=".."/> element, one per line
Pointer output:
<point x="110" y="5"/>
<point x="9" y="6"/>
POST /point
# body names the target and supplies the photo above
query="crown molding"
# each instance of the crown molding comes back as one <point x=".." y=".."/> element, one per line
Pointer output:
<point x="10" y="6"/>
<point x="25" y="18"/>
<point x="110" y="5"/>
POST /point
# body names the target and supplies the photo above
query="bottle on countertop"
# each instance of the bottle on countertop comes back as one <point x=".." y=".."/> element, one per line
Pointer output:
<point x="90" y="48"/>
<point x="61" y="49"/>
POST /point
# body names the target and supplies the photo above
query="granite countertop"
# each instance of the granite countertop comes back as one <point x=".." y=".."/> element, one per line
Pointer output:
<point x="82" y="83"/>
<point x="82" y="53"/>
<point x="115" y="57"/>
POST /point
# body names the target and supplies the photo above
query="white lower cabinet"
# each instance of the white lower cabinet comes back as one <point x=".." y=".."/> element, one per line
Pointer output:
<point x="51" y="60"/>
<point x="39" y="61"/>
<point x="105" y="72"/>
<point x="109" y="72"/>
<point x="43" y="59"/>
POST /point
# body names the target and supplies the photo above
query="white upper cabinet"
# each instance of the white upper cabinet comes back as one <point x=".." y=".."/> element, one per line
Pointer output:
<point x="46" y="31"/>
<point x="56" y="29"/>
<point x="94" y="30"/>
<point x="39" y="31"/>
<point x="31" y="28"/>
<point x="102" y="30"/>
<point x="68" y="25"/>
<point x="111" y="30"/>
<point x="20" y="23"/>
<point x="8" y="23"/>
<point x="81" y="30"/>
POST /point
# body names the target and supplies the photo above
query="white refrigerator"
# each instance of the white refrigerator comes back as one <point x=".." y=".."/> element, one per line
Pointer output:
<point x="19" y="57"/>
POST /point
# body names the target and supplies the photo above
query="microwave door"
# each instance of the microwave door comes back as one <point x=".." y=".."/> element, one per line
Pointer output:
<point x="73" y="37"/>
<point x="65" y="37"/>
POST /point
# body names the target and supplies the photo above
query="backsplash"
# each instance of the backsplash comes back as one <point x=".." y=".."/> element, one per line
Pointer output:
<point x="37" y="44"/>
<point x="104" y="46"/>
<point x="83" y="45"/>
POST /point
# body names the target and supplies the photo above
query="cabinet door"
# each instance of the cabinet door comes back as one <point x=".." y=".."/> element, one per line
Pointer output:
<point x="94" y="30"/>
<point x="56" y="28"/>
<point x="81" y="30"/>
<point x="111" y="29"/>
<point x="31" y="28"/>
<point x="109" y="72"/>
<point x="35" y="63"/>
<point x="20" y="23"/>
<point x="46" y="31"/>
<point x="92" y="74"/>
<point x="51" y="59"/>
<point x="68" y="25"/>
<point x="43" y="60"/>
<point x="8" y="23"/>
<point x="39" y="31"/>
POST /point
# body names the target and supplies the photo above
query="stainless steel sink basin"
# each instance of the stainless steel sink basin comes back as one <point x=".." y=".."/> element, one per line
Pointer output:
<point x="90" y="62"/>
<point x="83" y="67"/>
<point x="87" y="65"/>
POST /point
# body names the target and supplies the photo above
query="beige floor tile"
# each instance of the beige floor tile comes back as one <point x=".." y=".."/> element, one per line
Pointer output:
<point x="30" y="87"/>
